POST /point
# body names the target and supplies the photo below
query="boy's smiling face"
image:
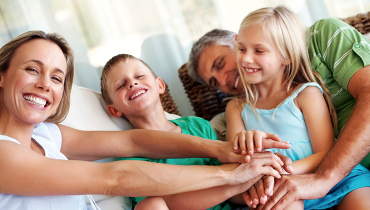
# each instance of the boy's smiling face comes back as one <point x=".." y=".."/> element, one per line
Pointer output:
<point x="132" y="88"/>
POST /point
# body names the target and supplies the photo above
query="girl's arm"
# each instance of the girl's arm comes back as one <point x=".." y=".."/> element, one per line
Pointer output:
<point x="93" y="145"/>
<point x="234" y="120"/>
<point x="25" y="172"/>
<point x="316" y="114"/>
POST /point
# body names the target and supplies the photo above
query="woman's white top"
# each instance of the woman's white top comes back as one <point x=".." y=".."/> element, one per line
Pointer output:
<point x="49" y="137"/>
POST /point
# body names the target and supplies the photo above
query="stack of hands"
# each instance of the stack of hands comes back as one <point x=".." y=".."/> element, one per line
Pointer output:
<point x="254" y="143"/>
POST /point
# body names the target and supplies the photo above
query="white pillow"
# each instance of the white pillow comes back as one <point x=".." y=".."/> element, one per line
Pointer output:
<point x="88" y="112"/>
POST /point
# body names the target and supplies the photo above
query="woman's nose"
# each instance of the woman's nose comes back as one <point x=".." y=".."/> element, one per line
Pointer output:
<point x="43" y="82"/>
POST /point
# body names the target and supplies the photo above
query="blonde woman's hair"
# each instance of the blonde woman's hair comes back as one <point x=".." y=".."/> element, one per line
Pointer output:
<point x="108" y="67"/>
<point x="7" y="53"/>
<point x="285" y="30"/>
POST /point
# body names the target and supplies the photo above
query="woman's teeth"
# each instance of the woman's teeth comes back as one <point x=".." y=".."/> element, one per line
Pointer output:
<point x="35" y="101"/>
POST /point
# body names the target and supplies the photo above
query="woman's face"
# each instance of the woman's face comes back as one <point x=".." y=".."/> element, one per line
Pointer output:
<point x="33" y="83"/>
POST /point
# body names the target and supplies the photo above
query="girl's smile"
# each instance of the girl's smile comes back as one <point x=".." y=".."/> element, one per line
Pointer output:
<point x="258" y="57"/>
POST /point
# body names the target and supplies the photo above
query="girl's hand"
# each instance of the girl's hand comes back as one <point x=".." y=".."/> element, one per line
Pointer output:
<point x="253" y="140"/>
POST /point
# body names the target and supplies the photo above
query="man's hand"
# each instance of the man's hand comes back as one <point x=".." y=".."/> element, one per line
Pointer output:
<point x="290" y="188"/>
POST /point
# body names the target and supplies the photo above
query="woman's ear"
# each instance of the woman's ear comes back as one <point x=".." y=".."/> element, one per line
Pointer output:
<point x="161" y="85"/>
<point x="1" y="79"/>
<point x="113" y="111"/>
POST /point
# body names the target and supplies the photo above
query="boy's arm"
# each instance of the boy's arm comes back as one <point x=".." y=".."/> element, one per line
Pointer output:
<point x="316" y="115"/>
<point x="93" y="145"/>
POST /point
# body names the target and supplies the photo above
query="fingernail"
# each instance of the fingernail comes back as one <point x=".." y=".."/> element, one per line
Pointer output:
<point x="290" y="168"/>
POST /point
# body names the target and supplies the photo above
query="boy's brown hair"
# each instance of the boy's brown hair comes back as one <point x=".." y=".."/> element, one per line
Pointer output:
<point x="108" y="66"/>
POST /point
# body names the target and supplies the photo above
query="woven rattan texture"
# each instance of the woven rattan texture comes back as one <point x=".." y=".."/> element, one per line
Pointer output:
<point x="168" y="103"/>
<point x="206" y="101"/>
<point x="360" y="22"/>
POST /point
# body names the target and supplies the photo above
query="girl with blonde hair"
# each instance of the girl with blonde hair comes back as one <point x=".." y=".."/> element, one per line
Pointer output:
<point x="285" y="97"/>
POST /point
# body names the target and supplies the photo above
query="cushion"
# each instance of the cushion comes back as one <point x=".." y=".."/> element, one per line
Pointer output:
<point x="88" y="112"/>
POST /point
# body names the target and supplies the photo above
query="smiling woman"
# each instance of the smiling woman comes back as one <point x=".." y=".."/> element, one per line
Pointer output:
<point x="36" y="72"/>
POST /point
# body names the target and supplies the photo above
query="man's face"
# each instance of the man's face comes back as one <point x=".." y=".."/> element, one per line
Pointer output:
<point x="218" y="67"/>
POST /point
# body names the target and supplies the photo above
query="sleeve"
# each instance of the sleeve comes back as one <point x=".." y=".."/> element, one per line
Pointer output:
<point x="209" y="133"/>
<point x="53" y="131"/>
<point x="205" y="127"/>
<point x="337" y="49"/>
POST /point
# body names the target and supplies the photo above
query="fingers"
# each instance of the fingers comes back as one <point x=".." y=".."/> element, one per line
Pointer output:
<point x="271" y="164"/>
<point x="287" y="163"/>
<point x="272" y="137"/>
<point x="247" y="199"/>
<point x="249" y="141"/>
<point x="268" y="183"/>
<point x="261" y="191"/>
<point x="254" y="197"/>
<point x="269" y="143"/>
<point x="282" y="196"/>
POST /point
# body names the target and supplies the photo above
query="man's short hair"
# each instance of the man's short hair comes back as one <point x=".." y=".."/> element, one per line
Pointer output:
<point x="214" y="37"/>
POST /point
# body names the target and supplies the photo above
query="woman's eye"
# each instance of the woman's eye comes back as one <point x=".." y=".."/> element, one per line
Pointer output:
<point x="259" y="51"/>
<point x="32" y="70"/>
<point x="57" y="79"/>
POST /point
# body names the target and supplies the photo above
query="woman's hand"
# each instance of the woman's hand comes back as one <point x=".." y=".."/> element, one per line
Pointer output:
<point x="262" y="163"/>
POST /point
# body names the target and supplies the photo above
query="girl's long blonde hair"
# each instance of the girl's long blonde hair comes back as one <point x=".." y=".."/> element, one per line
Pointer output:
<point x="285" y="29"/>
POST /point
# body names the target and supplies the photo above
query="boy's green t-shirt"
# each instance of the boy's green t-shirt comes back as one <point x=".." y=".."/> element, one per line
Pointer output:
<point x="194" y="126"/>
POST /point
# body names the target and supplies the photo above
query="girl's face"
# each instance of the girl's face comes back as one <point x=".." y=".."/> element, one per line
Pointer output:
<point x="32" y="86"/>
<point x="132" y="88"/>
<point x="258" y="58"/>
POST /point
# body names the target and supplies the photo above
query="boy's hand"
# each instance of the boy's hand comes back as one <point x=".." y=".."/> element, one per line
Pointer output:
<point x="226" y="154"/>
<point x="252" y="141"/>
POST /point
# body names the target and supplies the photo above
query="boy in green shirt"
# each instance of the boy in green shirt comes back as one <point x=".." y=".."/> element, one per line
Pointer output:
<point x="131" y="89"/>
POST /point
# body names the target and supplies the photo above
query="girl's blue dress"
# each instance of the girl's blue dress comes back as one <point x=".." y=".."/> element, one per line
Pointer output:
<point x="288" y="123"/>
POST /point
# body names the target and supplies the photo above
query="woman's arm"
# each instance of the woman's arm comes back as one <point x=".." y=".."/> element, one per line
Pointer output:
<point x="28" y="173"/>
<point x="93" y="145"/>
<point x="320" y="128"/>
<point x="207" y="198"/>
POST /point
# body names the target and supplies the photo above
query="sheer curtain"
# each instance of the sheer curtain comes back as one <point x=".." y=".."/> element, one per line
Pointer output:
<point x="160" y="32"/>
